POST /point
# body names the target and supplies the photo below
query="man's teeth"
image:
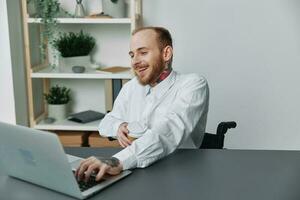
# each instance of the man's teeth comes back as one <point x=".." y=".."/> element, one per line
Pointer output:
<point x="142" y="69"/>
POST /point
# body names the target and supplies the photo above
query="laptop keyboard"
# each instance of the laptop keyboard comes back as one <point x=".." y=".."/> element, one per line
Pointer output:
<point x="89" y="184"/>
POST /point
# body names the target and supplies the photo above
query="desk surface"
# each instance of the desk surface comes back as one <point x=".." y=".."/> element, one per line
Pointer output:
<point x="190" y="174"/>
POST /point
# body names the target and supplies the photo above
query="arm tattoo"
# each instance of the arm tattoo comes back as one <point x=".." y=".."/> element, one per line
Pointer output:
<point x="113" y="162"/>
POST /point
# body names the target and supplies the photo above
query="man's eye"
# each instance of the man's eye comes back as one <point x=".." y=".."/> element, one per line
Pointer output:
<point x="144" y="52"/>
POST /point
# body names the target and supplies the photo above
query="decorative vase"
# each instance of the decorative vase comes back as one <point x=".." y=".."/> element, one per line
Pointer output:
<point x="31" y="9"/>
<point x="66" y="63"/>
<point x="79" y="10"/>
<point x="116" y="10"/>
<point x="57" y="111"/>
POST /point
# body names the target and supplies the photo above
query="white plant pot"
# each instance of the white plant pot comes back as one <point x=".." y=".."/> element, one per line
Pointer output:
<point x="66" y="64"/>
<point x="58" y="112"/>
<point x="31" y="9"/>
<point x="116" y="10"/>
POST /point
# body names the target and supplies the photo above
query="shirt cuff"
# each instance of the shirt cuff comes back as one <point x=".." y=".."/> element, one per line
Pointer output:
<point x="116" y="127"/>
<point x="110" y="131"/>
<point x="127" y="158"/>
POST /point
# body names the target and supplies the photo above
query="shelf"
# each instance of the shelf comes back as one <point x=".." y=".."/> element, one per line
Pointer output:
<point x="67" y="125"/>
<point x="85" y="20"/>
<point x="40" y="77"/>
<point x="88" y="74"/>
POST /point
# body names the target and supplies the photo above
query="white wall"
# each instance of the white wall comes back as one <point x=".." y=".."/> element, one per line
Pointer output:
<point x="13" y="101"/>
<point x="7" y="103"/>
<point x="250" y="53"/>
<point x="17" y="60"/>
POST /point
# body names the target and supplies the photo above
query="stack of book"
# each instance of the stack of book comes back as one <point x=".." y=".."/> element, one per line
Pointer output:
<point x="86" y="116"/>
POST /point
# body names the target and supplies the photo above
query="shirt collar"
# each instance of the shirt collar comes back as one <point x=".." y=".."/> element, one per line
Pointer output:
<point x="161" y="88"/>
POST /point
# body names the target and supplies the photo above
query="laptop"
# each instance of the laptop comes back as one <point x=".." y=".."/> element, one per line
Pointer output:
<point x="38" y="157"/>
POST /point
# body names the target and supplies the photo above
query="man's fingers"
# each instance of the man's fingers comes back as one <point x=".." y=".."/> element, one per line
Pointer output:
<point x="122" y="143"/>
<point x="101" y="172"/>
<point x="101" y="166"/>
<point x="125" y="139"/>
<point x="124" y="130"/>
<point x="91" y="169"/>
<point x="122" y="135"/>
<point x="122" y="138"/>
<point x="83" y="166"/>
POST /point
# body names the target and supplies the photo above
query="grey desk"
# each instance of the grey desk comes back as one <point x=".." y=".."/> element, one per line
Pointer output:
<point x="190" y="174"/>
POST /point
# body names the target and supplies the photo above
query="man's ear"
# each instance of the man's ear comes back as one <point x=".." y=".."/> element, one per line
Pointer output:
<point x="167" y="53"/>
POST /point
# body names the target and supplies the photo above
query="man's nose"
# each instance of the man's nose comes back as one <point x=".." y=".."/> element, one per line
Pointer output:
<point x="135" y="61"/>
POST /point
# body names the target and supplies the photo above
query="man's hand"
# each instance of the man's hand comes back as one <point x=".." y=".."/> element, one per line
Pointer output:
<point x="122" y="135"/>
<point x="101" y="166"/>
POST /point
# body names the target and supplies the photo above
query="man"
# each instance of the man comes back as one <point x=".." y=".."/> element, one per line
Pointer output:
<point x="156" y="112"/>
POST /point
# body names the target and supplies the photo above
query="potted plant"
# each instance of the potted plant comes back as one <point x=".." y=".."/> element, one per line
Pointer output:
<point x="57" y="99"/>
<point x="74" y="48"/>
<point x="47" y="11"/>
<point x="114" y="8"/>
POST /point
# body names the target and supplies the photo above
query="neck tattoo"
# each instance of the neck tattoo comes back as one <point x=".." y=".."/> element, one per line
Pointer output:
<point x="164" y="75"/>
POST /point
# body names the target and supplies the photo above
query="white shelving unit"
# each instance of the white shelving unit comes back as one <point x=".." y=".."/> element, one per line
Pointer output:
<point x="85" y="21"/>
<point x="46" y="74"/>
<point x="89" y="74"/>
<point x="68" y="125"/>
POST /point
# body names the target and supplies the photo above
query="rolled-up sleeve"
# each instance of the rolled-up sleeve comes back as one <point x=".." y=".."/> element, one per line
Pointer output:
<point x="171" y="130"/>
<point x="109" y="125"/>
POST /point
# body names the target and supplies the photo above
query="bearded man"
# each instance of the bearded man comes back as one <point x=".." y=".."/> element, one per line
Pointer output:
<point x="156" y="112"/>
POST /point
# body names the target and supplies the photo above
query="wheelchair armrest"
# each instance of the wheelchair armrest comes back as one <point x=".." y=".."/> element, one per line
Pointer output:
<point x="224" y="126"/>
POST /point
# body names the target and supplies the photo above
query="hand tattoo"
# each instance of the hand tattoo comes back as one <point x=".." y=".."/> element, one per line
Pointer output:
<point x="113" y="162"/>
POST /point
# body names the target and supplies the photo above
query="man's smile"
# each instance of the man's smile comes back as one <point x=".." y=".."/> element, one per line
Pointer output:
<point x="141" y="71"/>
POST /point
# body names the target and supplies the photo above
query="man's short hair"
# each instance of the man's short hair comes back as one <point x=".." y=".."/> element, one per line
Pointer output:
<point x="164" y="37"/>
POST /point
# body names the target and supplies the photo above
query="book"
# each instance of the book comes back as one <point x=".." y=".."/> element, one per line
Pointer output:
<point x="86" y="116"/>
<point x="99" y="15"/>
<point x="114" y="69"/>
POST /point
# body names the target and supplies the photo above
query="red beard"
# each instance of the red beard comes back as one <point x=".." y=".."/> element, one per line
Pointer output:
<point x="151" y="77"/>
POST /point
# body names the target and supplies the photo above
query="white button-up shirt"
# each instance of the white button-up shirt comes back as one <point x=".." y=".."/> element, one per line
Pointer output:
<point x="169" y="115"/>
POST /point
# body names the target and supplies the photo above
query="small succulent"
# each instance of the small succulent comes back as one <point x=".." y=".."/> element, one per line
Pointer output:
<point x="58" y="95"/>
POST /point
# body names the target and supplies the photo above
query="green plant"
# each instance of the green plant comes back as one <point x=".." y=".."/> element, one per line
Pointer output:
<point x="58" y="95"/>
<point x="114" y="1"/>
<point x="74" y="44"/>
<point x="48" y="11"/>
